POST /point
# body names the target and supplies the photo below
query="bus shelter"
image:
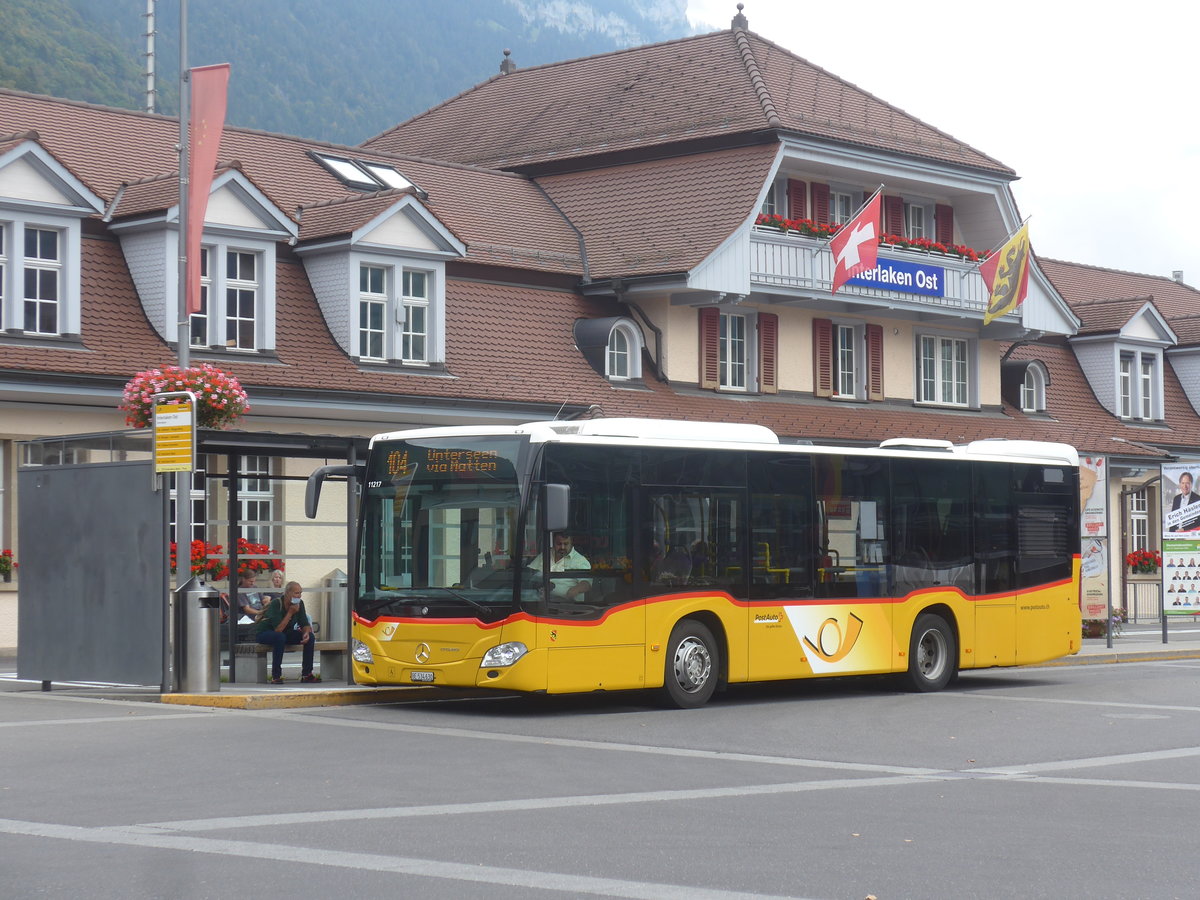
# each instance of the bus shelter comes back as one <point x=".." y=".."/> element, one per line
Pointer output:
<point x="96" y="602"/>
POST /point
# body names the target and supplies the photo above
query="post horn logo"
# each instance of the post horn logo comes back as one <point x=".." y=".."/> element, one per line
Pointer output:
<point x="835" y="647"/>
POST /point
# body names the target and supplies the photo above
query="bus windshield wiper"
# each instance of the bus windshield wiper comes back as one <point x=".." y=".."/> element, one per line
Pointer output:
<point x="483" y="608"/>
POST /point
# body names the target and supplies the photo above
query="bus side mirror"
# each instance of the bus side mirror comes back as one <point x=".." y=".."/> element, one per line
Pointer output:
<point x="558" y="504"/>
<point x="312" y="491"/>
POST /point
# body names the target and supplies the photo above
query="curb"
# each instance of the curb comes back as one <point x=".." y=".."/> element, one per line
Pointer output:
<point x="300" y="699"/>
<point x="1123" y="656"/>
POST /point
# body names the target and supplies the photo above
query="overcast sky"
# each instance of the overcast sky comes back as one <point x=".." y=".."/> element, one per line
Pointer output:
<point x="1095" y="105"/>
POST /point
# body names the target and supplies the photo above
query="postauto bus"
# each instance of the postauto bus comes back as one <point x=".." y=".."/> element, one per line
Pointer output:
<point x="616" y="554"/>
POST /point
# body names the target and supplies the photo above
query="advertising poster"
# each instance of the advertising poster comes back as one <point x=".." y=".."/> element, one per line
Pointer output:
<point x="1093" y="497"/>
<point x="1181" y="539"/>
<point x="1094" y="570"/>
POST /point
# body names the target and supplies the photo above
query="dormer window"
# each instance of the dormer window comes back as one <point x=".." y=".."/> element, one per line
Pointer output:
<point x="624" y="356"/>
<point x="235" y="323"/>
<point x="1139" y="385"/>
<point x="612" y="346"/>
<point x="394" y="313"/>
<point x="41" y="206"/>
<point x="1033" y="389"/>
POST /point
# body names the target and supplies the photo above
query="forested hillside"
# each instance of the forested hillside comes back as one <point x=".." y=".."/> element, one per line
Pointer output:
<point x="339" y="71"/>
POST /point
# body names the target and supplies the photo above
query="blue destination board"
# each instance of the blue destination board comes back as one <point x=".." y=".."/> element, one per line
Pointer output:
<point x="905" y="277"/>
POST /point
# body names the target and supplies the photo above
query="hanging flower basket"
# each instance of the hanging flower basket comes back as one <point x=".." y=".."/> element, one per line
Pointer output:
<point x="220" y="400"/>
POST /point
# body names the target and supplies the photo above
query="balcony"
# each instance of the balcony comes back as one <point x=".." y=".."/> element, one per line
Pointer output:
<point x="920" y="282"/>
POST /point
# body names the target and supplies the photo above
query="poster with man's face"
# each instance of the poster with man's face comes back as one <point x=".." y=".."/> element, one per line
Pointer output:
<point x="1181" y="500"/>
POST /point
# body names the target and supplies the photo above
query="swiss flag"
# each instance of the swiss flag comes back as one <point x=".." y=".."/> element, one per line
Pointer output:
<point x="855" y="247"/>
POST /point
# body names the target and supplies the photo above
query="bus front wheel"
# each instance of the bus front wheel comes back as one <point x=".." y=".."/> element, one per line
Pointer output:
<point x="692" y="665"/>
<point x="932" y="653"/>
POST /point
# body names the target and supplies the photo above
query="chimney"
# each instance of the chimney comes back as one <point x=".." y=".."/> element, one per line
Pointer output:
<point x="740" y="21"/>
<point x="1177" y="276"/>
<point x="507" y="65"/>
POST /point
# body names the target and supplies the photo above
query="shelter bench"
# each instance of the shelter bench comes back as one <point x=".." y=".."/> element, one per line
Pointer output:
<point x="332" y="660"/>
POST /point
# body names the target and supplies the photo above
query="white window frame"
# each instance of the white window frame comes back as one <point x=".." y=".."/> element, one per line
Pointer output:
<point x="848" y="354"/>
<point x="1139" y="520"/>
<point x="1125" y="386"/>
<point x="738" y="355"/>
<point x="916" y="221"/>
<point x="1139" y="387"/>
<point x="15" y="265"/>
<point x="734" y="364"/>
<point x="1033" y="389"/>
<point x="841" y="206"/>
<point x="937" y="396"/>
<point x="216" y="284"/>
<point x="408" y="317"/>
<point x="371" y="301"/>
<point x="632" y="352"/>
<point x="4" y="230"/>
<point x="771" y="205"/>
<point x="198" y="322"/>
<point x="415" y="321"/>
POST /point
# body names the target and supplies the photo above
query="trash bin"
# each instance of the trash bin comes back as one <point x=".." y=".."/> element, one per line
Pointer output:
<point x="200" y="665"/>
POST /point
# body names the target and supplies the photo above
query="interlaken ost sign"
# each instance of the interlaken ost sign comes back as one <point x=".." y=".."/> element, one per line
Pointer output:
<point x="906" y="277"/>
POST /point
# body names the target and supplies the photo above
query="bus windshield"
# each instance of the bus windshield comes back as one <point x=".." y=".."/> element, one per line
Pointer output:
<point x="439" y="528"/>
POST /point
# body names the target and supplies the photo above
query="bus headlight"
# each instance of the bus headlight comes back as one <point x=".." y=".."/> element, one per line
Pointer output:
<point x="361" y="652"/>
<point x="503" y="655"/>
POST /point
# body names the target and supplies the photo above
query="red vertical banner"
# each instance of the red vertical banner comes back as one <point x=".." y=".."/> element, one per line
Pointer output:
<point x="209" y="85"/>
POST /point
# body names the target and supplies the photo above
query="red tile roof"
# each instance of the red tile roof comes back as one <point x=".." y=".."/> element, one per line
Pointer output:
<point x="1079" y="283"/>
<point x="506" y="214"/>
<point x="719" y="86"/>
<point x="630" y="215"/>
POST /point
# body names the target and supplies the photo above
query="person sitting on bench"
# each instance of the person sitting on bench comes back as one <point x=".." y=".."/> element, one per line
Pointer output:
<point x="284" y="622"/>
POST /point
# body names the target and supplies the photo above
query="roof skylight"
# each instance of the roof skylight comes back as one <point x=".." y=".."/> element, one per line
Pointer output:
<point x="362" y="174"/>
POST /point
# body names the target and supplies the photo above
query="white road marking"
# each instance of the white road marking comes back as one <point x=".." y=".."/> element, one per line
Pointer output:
<point x="372" y="862"/>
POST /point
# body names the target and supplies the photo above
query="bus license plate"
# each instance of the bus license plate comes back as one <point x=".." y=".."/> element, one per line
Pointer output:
<point x="421" y="676"/>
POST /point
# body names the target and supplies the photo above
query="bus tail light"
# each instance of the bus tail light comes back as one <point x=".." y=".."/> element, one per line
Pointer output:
<point x="503" y="655"/>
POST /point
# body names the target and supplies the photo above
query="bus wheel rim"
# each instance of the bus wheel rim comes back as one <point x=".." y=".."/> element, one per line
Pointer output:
<point x="931" y="654"/>
<point x="693" y="664"/>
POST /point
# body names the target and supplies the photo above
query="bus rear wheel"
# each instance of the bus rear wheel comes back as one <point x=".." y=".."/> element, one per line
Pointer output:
<point x="932" y="653"/>
<point x="692" y="665"/>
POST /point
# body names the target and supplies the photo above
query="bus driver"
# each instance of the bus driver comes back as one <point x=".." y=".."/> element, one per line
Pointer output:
<point x="565" y="558"/>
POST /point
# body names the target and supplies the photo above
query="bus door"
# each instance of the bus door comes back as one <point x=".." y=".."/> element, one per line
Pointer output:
<point x="783" y="546"/>
<point x="1047" y="513"/>
<point x="995" y="639"/>
<point x="589" y="621"/>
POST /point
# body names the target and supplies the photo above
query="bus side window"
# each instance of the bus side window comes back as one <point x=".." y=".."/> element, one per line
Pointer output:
<point x="782" y="544"/>
<point x="602" y="481"/>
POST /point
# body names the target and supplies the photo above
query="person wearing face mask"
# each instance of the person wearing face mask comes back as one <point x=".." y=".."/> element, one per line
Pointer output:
<point x="284" y="622"/>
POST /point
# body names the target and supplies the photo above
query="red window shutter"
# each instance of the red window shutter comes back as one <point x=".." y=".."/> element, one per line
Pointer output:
<point x="768" y="353"/>
<point x="943" y="223"/>
<point x="874" y="362"/>
<point x="893" y="215"/>
<point x="820" y="194"/>
<point x="797" y="198"/>
<point x="710" y="348"/>
<point x="822" y="358"/>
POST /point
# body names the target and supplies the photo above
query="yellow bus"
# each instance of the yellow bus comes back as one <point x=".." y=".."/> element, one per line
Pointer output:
<point x="618" y="554"/>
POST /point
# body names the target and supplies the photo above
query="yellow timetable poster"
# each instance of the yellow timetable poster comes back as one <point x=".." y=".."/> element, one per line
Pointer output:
<point x="174" y="436"/>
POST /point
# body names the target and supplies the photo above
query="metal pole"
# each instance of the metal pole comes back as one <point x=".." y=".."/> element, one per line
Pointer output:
<point x="233" y="467"/>
<point x="183" y="480"/>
